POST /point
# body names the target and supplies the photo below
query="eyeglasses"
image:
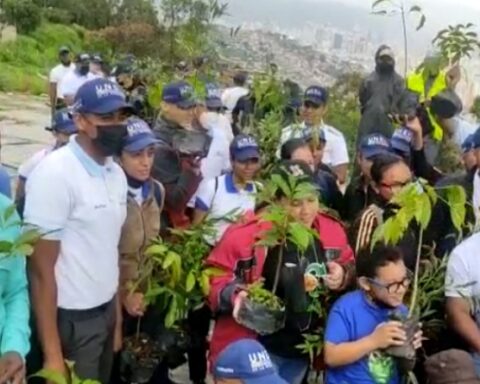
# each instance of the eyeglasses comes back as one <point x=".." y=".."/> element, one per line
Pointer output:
<point x="393" y="287"/>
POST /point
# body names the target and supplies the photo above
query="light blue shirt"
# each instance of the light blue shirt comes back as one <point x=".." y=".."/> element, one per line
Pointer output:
<point x="14" y="302"/>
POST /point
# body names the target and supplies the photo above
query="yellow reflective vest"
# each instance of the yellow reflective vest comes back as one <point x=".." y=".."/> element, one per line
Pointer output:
<point x="416" y="83"/>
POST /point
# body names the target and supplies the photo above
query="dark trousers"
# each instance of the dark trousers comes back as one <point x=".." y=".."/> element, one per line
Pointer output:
<point x="87" y="340"/>
<point x="199" y="324"/>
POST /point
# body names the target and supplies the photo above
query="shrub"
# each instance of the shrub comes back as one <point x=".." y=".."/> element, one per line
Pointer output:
<point x="24" y="14"/>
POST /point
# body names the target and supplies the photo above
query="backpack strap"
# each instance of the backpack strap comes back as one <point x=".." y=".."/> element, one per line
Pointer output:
<point x="159" y="194"/>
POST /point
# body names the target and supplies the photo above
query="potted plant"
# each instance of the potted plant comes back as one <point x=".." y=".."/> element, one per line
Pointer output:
<point x="414" y="204"/>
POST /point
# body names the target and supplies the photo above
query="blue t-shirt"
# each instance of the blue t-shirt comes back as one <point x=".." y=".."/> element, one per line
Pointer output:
<point x="352" y="318"/>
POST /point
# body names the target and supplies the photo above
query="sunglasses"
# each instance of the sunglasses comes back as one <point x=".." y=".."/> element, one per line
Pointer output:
<point x="310" y="105"/>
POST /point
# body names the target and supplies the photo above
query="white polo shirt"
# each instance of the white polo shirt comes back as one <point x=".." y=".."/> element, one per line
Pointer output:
<point x="225" y="200"/>
<point x="463" y="275"/>
<point x="30" y="164"/>
<point x="336" y="150"/>
<point x="83" y="204"/>
<point x="58" y="73"/>
<point x="72" y="81"/>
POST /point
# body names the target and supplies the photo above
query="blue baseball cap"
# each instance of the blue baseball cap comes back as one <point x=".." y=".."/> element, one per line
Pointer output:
<point x="100" y="97"/>
<point x="468" y="144"/>
<point x="374" y="144"/>
<point x="244" y="147"/>
<point x="402" y="140"/>
<point x="476" y="139"/>
<point x="316" y="95"/>
<point x="213" y="98"/>
<point x="139" y="137"/>
<point x="248" y="361"/>
<point x="62" y="122"/>
<point x="180" y="94"/>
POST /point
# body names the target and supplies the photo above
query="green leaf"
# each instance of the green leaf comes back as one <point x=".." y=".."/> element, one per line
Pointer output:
<point x="456" y="199"/>
<point x="6" y="247"/>
<point x="30" y="236"/>
<point x="280" y="183"/>
<point x="415" y="8"/>
<point x="204" y="283"/>
<point x="214" y="272"/>
<point x="52" y="376"/>
<point x="171" y="317"/>
<point x="424" y="210"/>
<point x="190" y="282"/>
<point x="421" y="23"/>
<point x="156" y="249"/>
<point x="376" y="3"/>
<point x="24" y="250"/>
<point x="300" y="235"/>
<point x="8" y="213"/>
<point x="169" y="260"/>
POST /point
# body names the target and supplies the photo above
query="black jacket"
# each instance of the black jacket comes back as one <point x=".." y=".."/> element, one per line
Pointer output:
<point x="380" y="94"/>
<point x="356" y="199"/>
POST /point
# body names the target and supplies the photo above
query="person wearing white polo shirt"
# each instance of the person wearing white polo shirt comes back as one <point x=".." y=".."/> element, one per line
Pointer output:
<point x="313" y="112"/>
<point x="56" y="75"/>
<point x="75" y="78"/>
<point x="62" y="129"/>
<point x="231" y="194"/>
<point x="77" y="196"/>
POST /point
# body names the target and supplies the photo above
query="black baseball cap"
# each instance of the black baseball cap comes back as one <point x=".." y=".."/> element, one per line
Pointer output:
<point x="63" y="49"/>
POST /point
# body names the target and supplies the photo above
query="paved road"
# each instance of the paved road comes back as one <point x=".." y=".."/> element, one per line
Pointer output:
<point x="22" y="124"/>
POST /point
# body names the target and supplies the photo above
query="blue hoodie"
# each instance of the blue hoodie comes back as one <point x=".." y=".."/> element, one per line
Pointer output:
<point x="14" y="302"/>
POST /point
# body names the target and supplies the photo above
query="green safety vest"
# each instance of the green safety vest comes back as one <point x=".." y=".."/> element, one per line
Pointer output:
<point x="415" y="83"/>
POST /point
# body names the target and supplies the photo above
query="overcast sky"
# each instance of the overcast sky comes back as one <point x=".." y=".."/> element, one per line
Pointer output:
<point x="460" y="7"/>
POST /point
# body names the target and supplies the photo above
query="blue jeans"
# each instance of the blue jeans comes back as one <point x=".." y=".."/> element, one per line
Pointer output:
<point x="291" y="370"/>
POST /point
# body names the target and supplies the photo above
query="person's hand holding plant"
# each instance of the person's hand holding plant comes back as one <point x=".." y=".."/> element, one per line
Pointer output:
<point x="388" y="335"/>
<point x="336" y="276"/>
<point x="134" y="304"/>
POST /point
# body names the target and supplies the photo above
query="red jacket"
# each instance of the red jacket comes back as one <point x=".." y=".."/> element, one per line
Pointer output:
<point x="235" y="254"/>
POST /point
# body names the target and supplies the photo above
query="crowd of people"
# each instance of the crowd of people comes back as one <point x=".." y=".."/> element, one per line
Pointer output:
<point x="111" y="182"/>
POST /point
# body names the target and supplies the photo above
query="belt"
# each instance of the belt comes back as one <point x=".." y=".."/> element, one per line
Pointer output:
<point x="85" y="314"/>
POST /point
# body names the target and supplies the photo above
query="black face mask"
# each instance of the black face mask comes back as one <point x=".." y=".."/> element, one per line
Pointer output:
<point x="84" y="69"/>
<point x="109" y="140"/>
<point x="385" y="68"/>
